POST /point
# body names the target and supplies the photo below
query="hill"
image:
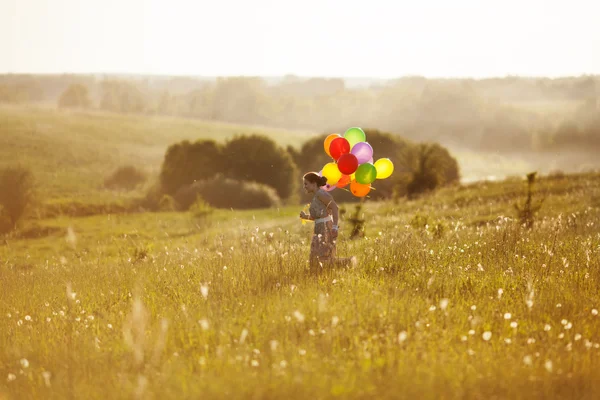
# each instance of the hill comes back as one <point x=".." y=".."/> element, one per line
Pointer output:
<point x="71" y="152"/>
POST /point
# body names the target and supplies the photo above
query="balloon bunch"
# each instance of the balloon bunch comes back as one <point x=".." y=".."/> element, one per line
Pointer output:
<point x="353" y="163"/>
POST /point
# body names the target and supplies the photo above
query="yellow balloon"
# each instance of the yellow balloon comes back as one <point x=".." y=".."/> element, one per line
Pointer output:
<point x="384" y="167"/>
<point x="332" y="173"/>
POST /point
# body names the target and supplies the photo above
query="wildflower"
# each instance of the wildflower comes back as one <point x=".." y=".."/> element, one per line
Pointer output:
<point x="444" y="304"/>
<point x="471" y="332"/>
<point x="500" y="292"/>
<point x="302" y="352"/>
<point x="204" y="291"/>
<point x="514" y="324"/>
<point x="568" y="326"/>
<point x="334" y="321"/>
<point x="204" y="324"/>
<point x="527" y="360"/>
<point x="299" y="316"/>
<point x="473" y="307"/>
<point x="11" y="377"/>
<point x="507" y="340"/>
<point x="24" y="362"/>
<point x="487" y="335"/>
<point x="27" y="318"/>
<point x="283" y="363"/>
<point x="577" y="336"/>
<point x="432" y="308"/>
<point x="548" y="365"/>
<point x="402" y="336"/>
<point x="594" y="311"/>
<point x="274" y="344"/>
<point x="507" y="315"/>
<point x="547" y="327"/>
<point x="254" y="363"/>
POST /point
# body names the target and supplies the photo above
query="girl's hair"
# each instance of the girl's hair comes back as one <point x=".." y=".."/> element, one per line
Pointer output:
<point x="313" y="177"/>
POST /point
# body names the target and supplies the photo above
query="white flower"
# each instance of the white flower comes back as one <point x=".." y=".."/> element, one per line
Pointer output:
<point x="487" y="335"/>
<point x="594" y="311"/>
<point x="507" y="315"/>
<point x="254" y="363"/>
<point x="444" y="304"/>
<point x="547" y="327"/>
<point x="548" y="365"/>
<point x="473" y="307"/>
<point x="402" y="336"/>
<point x="204" y="291"/>
<point x="527" y="360"/>
<point x="24" y="362"/>
<point x="334" y="320"/>
<point x="11" y="377"/>
<point x="299" y="316"/>
<point x="204" y="324"/>
<point x="514" y="324"/>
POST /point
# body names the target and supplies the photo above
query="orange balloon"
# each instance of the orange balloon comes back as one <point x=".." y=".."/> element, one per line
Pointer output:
<point x="359" y="190"/>
<point x="328" y="141"/>
<point x="344" y="181"/>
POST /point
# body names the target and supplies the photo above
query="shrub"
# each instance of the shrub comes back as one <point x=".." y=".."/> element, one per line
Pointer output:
<point x="17" y="193"/>
<point x="186" y="162"/>
<point x="259" y="159"/>
<point x="127" y="177"/>
<point x="222" y="192"/>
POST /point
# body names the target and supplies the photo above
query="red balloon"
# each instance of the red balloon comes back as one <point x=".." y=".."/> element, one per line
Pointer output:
<point x="347" y="163"/>
<point x="339" y="147"/>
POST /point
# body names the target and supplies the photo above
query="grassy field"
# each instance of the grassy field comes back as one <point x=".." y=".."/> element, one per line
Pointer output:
<point x="450" y="298"/>
<point x="71" y="153"/>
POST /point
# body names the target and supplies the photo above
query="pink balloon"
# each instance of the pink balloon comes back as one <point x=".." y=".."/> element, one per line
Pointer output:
<point x="363" y="152"/>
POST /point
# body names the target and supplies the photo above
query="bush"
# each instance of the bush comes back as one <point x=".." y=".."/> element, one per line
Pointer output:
<point x="126" y="177"/>
<point x="17" y="193"/>
<point x="187" y="162"/>
<point x="222" y="192"/>
<point x="259" y="159"/>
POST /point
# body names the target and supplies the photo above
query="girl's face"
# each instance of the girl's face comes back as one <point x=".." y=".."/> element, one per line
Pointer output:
<point x="309" y="187"/>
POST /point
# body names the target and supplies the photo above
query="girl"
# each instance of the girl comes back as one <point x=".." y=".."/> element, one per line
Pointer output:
<point x="324" y="212"/>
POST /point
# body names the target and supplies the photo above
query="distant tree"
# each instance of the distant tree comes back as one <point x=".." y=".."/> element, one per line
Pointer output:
<point x="187" y="162"/>
<point x="259" y="159"/>
<point x="430" y="166"/>
<point x="122" y="96"/>
<point x="126" y="177"/>
<point x="75" y="96"/>
<point x="16" y="193"/>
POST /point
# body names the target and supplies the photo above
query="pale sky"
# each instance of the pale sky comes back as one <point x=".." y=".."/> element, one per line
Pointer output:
<point x="349" y="38"/>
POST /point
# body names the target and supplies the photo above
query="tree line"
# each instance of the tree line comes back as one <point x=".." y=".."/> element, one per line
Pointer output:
<point x="501" y="115"/>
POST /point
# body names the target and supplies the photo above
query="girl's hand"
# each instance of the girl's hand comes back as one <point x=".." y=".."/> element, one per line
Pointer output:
<point x="304" y="215"/>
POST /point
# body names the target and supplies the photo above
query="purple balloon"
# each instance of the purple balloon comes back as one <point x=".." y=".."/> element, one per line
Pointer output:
<point x="363" y="152"/>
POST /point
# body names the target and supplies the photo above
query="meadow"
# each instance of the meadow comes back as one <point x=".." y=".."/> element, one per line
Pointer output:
<point x="451" y="298"/>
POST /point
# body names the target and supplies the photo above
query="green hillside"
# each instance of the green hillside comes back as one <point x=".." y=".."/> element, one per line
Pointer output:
<point x="71" y="153"/>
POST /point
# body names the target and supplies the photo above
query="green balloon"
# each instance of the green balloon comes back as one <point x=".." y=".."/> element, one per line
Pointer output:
<point x="355" y="135"/>
<point x="366" y="173"/>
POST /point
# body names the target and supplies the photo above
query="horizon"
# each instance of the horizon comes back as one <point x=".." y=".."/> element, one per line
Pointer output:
<point x="430" y="39"/>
